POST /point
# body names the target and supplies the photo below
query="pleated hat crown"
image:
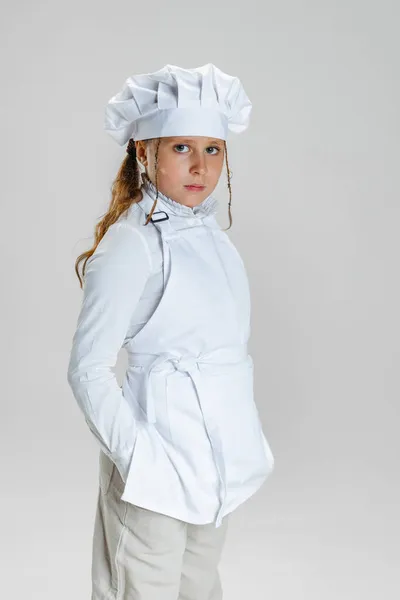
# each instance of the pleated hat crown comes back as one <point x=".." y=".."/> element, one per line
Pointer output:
<point x="174" y="101"/>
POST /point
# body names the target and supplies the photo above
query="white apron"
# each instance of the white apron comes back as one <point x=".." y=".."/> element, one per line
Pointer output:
<point x="200" y="450"/>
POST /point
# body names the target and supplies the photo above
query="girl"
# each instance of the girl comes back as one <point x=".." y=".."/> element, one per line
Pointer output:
<point x="181" y="443"/>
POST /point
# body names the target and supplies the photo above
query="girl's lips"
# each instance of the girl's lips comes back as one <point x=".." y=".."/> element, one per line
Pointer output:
<point x="195" y="188"/>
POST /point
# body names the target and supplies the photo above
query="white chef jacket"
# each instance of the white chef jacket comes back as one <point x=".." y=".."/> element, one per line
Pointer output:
<point x="123" y="285"/>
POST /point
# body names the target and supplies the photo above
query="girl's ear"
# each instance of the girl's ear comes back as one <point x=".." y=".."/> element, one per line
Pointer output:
<point x="141" y="152"/>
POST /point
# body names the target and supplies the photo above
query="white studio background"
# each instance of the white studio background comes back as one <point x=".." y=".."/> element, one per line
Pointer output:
<point x="315" y="216"/>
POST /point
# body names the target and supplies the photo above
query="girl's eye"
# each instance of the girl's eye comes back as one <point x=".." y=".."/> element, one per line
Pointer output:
<point x="180" y="146"/>
<point x="215" y="148"/>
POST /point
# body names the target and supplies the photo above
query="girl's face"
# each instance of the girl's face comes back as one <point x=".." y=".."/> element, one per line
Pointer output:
<point x="183" y="161"/>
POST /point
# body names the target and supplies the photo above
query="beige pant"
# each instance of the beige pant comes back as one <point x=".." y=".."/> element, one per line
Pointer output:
<point x="140" y="554"/>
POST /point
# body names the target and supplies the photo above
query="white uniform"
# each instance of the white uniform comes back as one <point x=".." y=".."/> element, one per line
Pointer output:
<point x="184" y="430"/>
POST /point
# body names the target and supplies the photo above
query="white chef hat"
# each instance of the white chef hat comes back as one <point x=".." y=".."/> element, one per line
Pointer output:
<point x="174" y="101"/>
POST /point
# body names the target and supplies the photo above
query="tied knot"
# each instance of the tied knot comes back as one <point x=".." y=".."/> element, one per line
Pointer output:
<point x="185" y="363"/>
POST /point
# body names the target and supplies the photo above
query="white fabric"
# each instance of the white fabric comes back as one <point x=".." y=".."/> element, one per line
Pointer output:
<point x="152" y="278"/>
<point x="184" y="430"/>
<point x="173" y="101"/>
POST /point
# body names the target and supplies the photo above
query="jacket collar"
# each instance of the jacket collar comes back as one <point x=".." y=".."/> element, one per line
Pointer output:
<point x="208" y="206"/>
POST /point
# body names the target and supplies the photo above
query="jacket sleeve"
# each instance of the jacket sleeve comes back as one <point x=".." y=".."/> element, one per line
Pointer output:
<point x="114" y="279"/>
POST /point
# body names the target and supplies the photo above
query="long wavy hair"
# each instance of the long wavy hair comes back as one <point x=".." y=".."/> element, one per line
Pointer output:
<point x="125" y="191"/>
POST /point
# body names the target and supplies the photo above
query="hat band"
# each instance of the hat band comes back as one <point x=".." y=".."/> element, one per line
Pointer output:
<point x="170" y="122"/>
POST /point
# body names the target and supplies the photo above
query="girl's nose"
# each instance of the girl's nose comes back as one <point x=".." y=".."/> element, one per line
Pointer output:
<point x="200" y="165"/>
